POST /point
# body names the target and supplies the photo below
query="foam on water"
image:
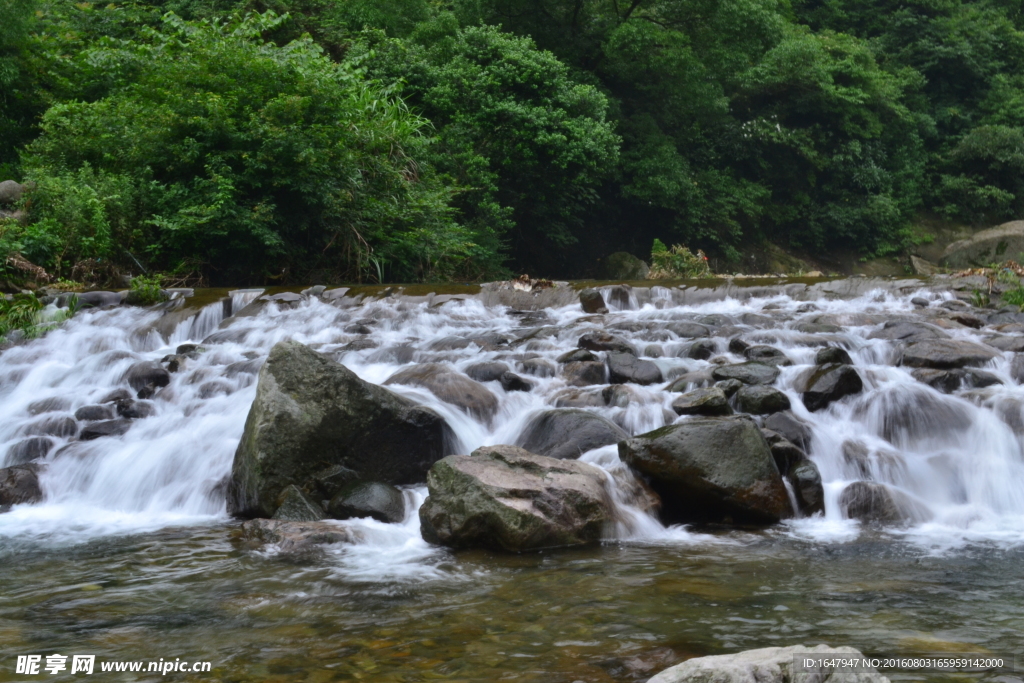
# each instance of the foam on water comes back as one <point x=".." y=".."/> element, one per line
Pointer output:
<point x="958" y="455"/>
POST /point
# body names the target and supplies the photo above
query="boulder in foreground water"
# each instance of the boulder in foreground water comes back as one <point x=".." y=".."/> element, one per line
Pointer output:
<point x="505" y="498"/>
<point x="296" y="537"/>
<point x="627" y="368"/>
<point x="312" y="413"/>
<point x="870" y="501"/>
<point x="711" y="469"/>
<point x="568" y="433"/>
<point x="770" y="665"/>
<point x="19" y="484"/>
<point x="382" y="502"/>
<point x="707" y="401"/>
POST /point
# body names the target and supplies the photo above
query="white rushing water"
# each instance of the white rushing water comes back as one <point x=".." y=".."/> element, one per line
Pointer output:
<point x="958" y="455"/>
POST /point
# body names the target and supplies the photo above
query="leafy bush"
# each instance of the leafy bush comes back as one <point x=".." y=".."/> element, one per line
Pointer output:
<point x="677" y="262"/>
<point x="266" y="161"/>
<point x="146" y="291"/>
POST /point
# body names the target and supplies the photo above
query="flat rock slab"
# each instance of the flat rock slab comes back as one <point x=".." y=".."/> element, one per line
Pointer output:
<point x="748" y="373"/>
<point x="769" y="665"/>
<point x="505" y="498"/>
<point x="944" y="354"/>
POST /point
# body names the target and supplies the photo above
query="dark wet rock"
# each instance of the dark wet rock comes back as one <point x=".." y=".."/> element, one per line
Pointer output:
<point x="748" y="373"/>
<point x="215" y="388"/>
<point x="807" y="487"/>
<point x="771" y="665"/>
<point x="311" y="413"/>
<point x="619" y="396"/>
<point x="791" y="427"/>
<point x="1014" y="344"/>
<point x="568" y="433"/>
<point x="538" y="367"/>
<point x="579" y="398"/>
<point x="505" y="498"/>
<point x="294" y="505"/>
<point x="359" y="328"/>
<point x="832" y="354"/>
<point x="244" y="367"/>
<point x="730" y="386"/>
<point x="690" y="380"/>
<point x="758" y="399"/>
<point x="738" y="346"/>
<point x="808" y="327"/>
<point x="710" y="401"/>
<point x="825" y="384"/>
<point x="360" y="345"/>
<point x="577" y="356"/>
<point x="625" y="367"/>
<point x="510" y="381"/>
<point x="870" y="501"/>
<point x="146" y="377"/>
<point x="1017" y="368"/>
<point x="968" y="320"/>
<point x="116" y="395"/>
<point x="620" y="296"/>
<point x="52" y="425"/>
<point x="188" y="350"/>
<point x="864" y="463"/>
<point x="583" y="373"/>
<point x="174" y="362"/>
<point x="688" y="330"/>
<point x="654" y="351"/>
<point x="48" y="405"/>
<point x="487" y="372"/>
<point x="451" y="387"/>
<point x="97" y="299"/>
<point x="920" y="302"/>
<point x="711" y="469"/>
<point x="592" y="302"/>
<point x="296" y="537"/>
<point x="27" y="450"/>
<point x="20" y="485"/>
<point x="702" y="349"/>
<point x="97" y="430"/>
<point x="329" y="481"/>
<point x="943" y="354"/>
<point x="602" y="341"/>
<point x="135" y="409"/>
<point x="785" y="453"/>
<point x="770" y="355"/>
<point x="949" y="381"/>
<point x="382" y="502"/>
<point x="898" y="330"/>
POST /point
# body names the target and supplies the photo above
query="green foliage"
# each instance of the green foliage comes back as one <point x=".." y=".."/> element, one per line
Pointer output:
<point x="527" y="143"/>
<point x="145" y="290"/>
<point x="1015" y="297"/>
<point x="255" y="157"/>
<point x="677" y="262"/>
<point x="20" y="313"/>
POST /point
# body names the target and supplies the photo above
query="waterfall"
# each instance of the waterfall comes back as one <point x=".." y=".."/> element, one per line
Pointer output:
<point x="958" y="456"/>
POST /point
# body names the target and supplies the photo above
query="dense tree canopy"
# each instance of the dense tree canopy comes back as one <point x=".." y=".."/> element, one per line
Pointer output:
<point x="273" y="140"/>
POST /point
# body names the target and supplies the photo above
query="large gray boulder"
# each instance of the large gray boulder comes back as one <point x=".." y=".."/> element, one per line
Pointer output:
<point x="711" y="469"/>
<point x="19" y="484"/>
<point x="824" y="384"/>
<point x="758" y="399"/>
<point x="870" y="501"/>
<point x="943" y="354"/>
<point x="450" y="386"/>
<point x="592" y="302"/>
<point x="311" y="414"/>
<point x="627" y="368"/>
<point x="11" y="191"/>
<point x="506" y="498"/>
<point x="994" y="245"/>
<point x="771" y="665"/>
<point x="568" y="433"/>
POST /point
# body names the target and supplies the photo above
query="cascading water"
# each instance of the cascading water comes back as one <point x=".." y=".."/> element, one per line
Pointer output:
<point x="957" y="456"/>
